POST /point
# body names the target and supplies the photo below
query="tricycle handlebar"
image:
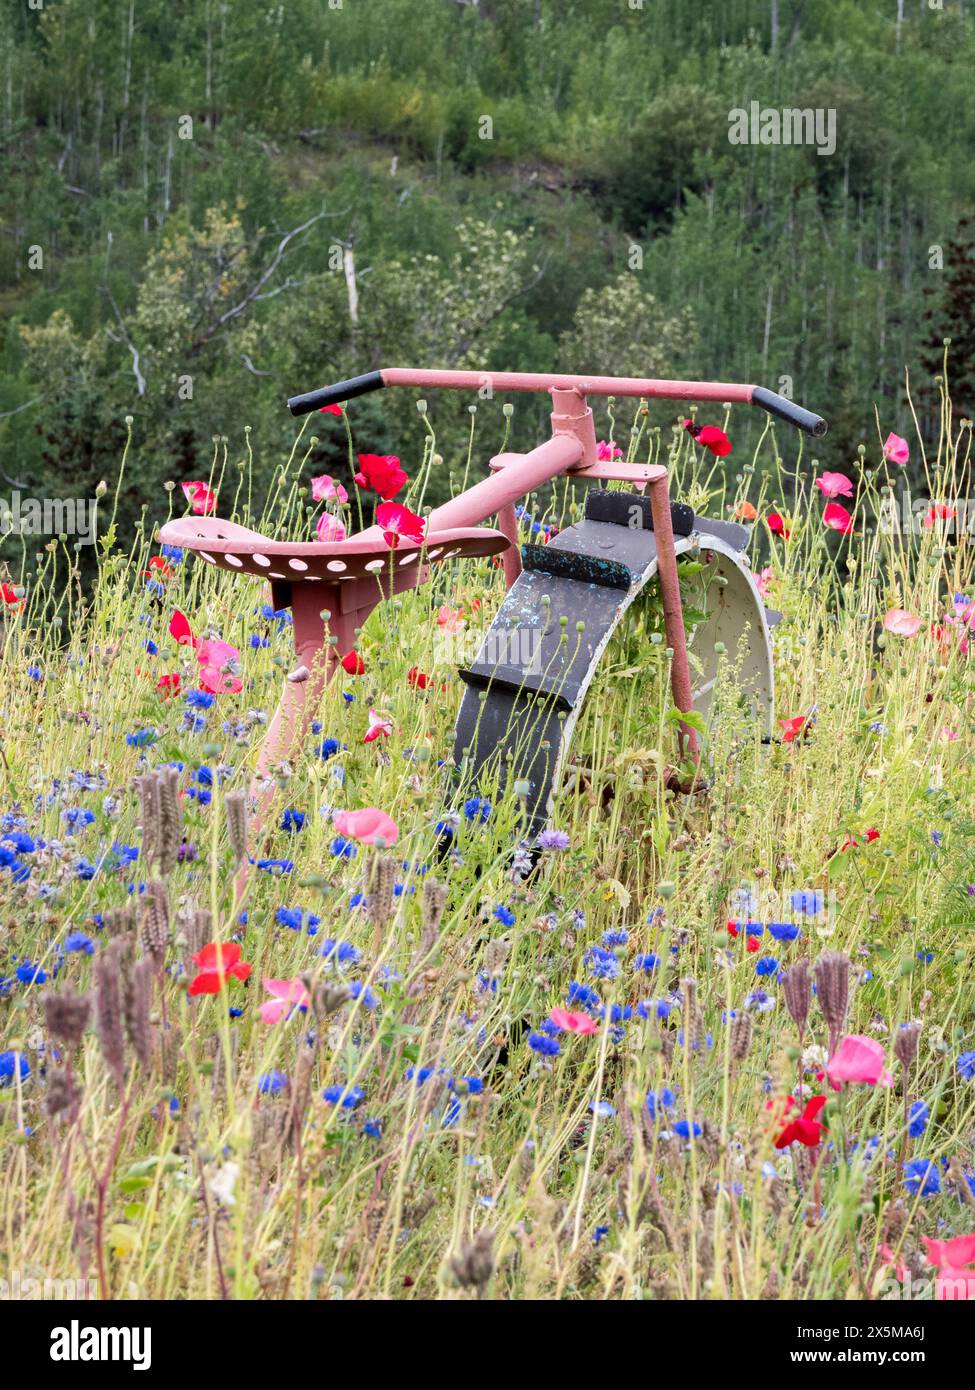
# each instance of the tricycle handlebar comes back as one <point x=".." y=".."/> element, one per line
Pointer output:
<point x="492" y="382"/>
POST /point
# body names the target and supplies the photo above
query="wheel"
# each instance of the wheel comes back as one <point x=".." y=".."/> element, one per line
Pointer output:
<point x="527" y="687"/>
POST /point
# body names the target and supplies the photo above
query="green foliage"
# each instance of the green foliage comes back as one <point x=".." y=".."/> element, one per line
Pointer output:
<point x="493" y="168"/>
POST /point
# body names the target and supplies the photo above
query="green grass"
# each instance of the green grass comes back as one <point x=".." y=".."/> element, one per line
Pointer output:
<point x="133" y="1189"/>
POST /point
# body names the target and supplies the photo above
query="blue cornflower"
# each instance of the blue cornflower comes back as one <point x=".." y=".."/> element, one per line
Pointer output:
<point x="77" y="817"/>
<point x="30" y="974"/>
<point x="372" y="1129"/>
<point x="10" y="1064"/>
<point x="200" y="699"/>
<point x="921" y="1176"/>
<point x="553" y="839"/>
<point x="292" y="821"/>
<point x="348" y="1097"/>
<point x="150" y="646"/>
<point x="602" y="1109"/>
<point x="272" y="1083"/>
<point x="685" y="1129"/>
<point x="918" y="1119"/>
<point x="504" y="915"/>
<point x="966" y="1066"/>
<point x="276" y="866"/>
<point x="174" y="553"/>
<point x="77" y="942"/>
<point x="654" y="1008"/>
<point x="936" y="837"/>
<point x="768" y="965"/>
<point x="808" y="901"/>
<point x="603" y="965"/>
<point x="369" y="997"/>
<point x="341" y="848"/>
<point x="648" y="963"/>
<point x="343" y="952"/>
<point x="618" y="937"/>
<point x="328" y="748"/>
<point x="141" y="738"/>
<point x="477" y="808"/>
<point x="658" y="1102"/>
<point x="783" y="931"/>
<point x="544" y="1046"/>
<point x="587" y="998"/>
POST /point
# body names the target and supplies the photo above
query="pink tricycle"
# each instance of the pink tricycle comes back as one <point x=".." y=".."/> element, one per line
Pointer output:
<point x="522" y="698"/>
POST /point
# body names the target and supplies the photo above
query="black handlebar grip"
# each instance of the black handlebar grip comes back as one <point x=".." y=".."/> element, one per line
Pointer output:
<point x="335" y="395"/>
<point x="789" y="411"/>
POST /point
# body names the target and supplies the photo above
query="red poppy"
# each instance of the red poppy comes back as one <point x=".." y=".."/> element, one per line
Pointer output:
<point x="330" y="410"/>
<point x="179" y="627"/>
<point x="806" y="1127"/>
<point x="792" y="728"/>
<point x="418" y="679"/>
<point x="168" y="686"/>
<point x="711" y="437"/>
<point x="399" y="523"/>
<point x="353" y="663"/>
<point x="380" y="473"/>
<point x="10" y="595"/>
<point x="777" y="526"/>
<point x="160" y="565"/>
<point x="837" y="518"/>
<point x="216" y="963"/>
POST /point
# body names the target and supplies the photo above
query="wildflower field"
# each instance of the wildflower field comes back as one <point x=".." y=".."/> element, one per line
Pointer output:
<point x="384" y="1046"/>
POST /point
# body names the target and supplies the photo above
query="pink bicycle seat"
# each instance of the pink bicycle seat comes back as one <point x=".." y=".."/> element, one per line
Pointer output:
<point x="235" y="547"/>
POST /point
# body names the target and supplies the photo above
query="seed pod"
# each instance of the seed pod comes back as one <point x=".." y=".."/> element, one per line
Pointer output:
<point x="235" y="807"/>
<point x="833" y="991"/>
<point x="474" y="1265"/>
<point x="155" y="922"/>
<point x="109" y="1011"/>
<point x="906" y="1041"/>
<point x="66" y="1015"/>
<point x="797" y="992"/>
<point x="138" y="1004"/>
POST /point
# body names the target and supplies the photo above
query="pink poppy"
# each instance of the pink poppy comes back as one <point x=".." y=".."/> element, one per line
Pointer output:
<point x="399" y="523"/>
<point x="220" y="663"/>
<point x="608" y="452"/>
<point x="329" y="528"/>
<point x="370" y="826"/>
<point x="763" y="579"/>
<point x="896" y="449"/>
<point x="449" y="619"/>
<point x="379" y="724"/>
<point x="324" y="488"/>
<point x="202" y="499"/>
<point x="900" y="623"/>
<point x="286" y="995"/>
<point x="954" y="1282"/>
<point x="835" y="485"/>
<point x="574" y="1022"/>
<point x="939" y="512"/>
<point x="837" y="518"/>
<point x="859" y="1059"/>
